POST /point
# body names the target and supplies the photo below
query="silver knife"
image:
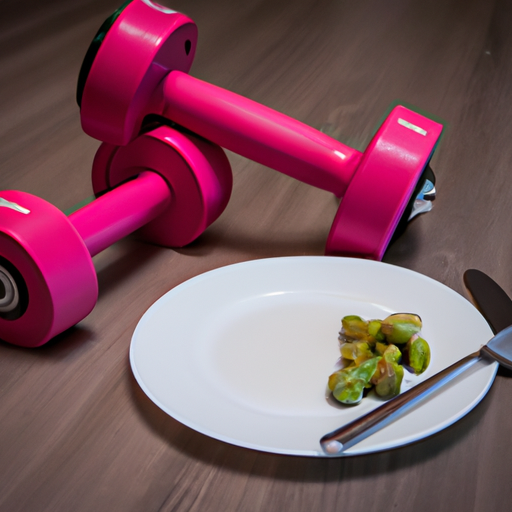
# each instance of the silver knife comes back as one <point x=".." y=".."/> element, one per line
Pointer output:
<point x="499" y="349"/>
<point x="490" y="299"/>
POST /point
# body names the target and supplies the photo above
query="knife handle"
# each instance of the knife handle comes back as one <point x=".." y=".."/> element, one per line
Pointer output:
<point x="339" y="440"/>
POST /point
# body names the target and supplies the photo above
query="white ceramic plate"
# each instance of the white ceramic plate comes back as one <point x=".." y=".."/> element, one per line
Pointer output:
<point x="243" y="353"/>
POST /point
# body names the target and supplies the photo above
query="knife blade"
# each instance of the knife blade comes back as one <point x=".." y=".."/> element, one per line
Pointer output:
<point x="490" y="299"/>
<point x="487" y="293"/>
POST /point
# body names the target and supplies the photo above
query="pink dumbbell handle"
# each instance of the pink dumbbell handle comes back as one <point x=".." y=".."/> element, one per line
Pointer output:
<point x="258" y="133"/>
<point x="121" y="211"/>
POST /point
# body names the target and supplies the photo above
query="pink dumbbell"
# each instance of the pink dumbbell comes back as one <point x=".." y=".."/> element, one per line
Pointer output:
<point x="168" y="185"/>
<point x="137" y="66"/>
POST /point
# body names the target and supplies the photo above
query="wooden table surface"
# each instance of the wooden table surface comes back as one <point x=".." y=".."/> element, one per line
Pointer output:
<point x="77" y="433"/>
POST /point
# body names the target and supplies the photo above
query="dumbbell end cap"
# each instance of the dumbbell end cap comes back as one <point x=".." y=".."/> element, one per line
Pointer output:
<point x="384" y="186"/>
<point x="50" y="268"/>
<point x="133" y="51"/>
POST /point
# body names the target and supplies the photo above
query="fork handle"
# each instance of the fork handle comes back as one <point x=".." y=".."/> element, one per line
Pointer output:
<point x="339" y="440"/>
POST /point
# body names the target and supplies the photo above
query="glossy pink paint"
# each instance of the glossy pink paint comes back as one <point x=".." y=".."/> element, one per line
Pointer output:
<point x="141" y="68"/>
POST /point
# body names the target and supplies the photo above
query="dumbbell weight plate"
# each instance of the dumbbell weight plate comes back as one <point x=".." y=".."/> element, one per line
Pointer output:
<point x="386" y="181"/>
<point x="54" y="274"/>
<point x="197" y="171"/>
<point x="123" y="67"/>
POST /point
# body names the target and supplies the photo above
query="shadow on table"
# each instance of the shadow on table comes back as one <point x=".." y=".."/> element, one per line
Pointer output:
<point x="113" y="267"/>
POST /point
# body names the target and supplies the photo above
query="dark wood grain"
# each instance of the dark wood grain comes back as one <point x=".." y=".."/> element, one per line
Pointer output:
<point x="76" y="431"/>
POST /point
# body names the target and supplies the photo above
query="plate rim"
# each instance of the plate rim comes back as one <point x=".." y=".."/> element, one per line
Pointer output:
<point x="282" y="259"/>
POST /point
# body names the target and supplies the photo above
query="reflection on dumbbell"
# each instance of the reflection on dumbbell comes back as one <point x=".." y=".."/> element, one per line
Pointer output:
<point x="138" y="66"/>
<point x="168" y="185"/>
